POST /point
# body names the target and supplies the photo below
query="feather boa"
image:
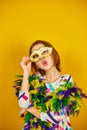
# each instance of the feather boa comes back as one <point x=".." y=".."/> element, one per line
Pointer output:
<point x="68" y="96"/>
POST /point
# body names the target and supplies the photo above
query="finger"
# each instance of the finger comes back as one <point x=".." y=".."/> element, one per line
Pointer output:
<point x="22" y="112"/>
<point x="25" y="58"/>
<point x="22" y="115"/>
<point x="27" y="61"/>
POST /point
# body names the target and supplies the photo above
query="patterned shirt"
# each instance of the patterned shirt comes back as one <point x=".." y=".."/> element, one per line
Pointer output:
<point x="59" y="119"/>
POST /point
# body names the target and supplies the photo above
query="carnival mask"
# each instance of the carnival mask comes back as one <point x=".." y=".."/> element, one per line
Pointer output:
<point x="40" y="53"/>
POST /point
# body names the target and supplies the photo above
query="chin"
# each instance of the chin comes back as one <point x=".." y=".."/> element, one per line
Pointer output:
<point x="46" y="68"/>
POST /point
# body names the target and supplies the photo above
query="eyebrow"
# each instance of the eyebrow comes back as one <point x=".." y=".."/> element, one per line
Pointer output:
<point x="37" y="49"/>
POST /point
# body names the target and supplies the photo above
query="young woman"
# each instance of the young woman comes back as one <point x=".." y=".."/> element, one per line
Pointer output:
<point x="47" y="96"/>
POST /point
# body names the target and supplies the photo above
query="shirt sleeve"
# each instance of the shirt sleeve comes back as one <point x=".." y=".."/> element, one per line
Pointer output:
<point x="23" y="99"/>
<point x="66" y="77"/>
<point x="53" y="117"/>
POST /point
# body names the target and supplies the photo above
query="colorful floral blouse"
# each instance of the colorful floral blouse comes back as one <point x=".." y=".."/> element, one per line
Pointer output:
<point x="58" y="120"/>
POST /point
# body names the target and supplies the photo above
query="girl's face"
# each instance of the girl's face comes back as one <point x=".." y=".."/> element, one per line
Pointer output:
<point x="44" y="63"/>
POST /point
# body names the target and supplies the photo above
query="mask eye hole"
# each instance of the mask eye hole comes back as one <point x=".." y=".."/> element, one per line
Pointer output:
<point x="35" y="56"/>
<point x="45" y="52"/>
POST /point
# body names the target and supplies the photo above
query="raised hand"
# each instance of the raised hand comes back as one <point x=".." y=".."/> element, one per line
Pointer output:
<point x="26" y="65"/>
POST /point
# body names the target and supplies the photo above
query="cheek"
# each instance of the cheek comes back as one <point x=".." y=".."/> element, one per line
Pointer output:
<point x="50" y="60"/>
<point x="38" y="63"/>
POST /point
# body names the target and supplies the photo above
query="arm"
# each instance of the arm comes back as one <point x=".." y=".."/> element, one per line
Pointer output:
<point x="26" y="72"/>
<point x="23" y="99"/>
<point x="34" y="111"/>
<point x="50" y="116"/>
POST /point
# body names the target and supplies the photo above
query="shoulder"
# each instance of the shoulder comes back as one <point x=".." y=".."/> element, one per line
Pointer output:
<point x="67" y="77"/>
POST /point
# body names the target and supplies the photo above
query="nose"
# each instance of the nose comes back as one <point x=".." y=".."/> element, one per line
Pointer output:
<point x="41" y="58"/>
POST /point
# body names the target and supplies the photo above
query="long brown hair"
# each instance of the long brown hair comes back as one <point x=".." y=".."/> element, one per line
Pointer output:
<point x="54" y="52"/>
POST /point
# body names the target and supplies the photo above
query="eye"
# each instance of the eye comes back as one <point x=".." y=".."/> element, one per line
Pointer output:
<point x="45" y="52"/>
<point x="35" y="56"/>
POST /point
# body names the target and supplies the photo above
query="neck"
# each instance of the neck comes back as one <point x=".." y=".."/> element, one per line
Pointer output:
<point x="52" y="74"/>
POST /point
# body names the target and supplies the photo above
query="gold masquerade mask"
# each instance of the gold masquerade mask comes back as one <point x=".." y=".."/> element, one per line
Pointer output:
<point x="40" y="53"/>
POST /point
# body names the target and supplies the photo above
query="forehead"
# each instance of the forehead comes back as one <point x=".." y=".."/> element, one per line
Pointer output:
<point x="36" y="47"/>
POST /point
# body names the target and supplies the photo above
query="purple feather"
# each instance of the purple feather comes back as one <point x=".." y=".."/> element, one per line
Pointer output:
<point x="40" y="80"/>
<point x="27" y="126"/>
<point x="61" y="92"/>
<point x="69" y="108"/>
<point x="36" y="124"/>
<point x="43" y="125"/>
<point x="67" y="93"/>
<point x="17" y="93"/>
<point x="39" y="89"/>
<point x="54" y="127"/>
<point x="47" y="98"/>
<point x="84" y="95"/>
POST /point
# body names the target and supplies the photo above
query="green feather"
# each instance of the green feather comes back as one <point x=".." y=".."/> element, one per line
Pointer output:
<point x="66" y="101"/>
<point x="77" y="96"/>
<point x="19" y="76"/>
<point x="27" y="117"/>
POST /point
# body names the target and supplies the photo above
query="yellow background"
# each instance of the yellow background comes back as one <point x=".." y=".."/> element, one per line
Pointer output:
<point x="64" y="24"/>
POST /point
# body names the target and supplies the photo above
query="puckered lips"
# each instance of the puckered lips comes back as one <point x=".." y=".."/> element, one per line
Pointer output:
<point x="44" y="62"/>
